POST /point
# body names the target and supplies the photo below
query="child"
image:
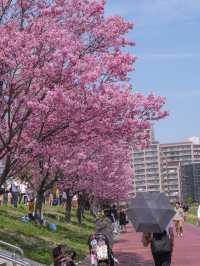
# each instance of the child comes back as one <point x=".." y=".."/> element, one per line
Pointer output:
<point x="63" y="256"/>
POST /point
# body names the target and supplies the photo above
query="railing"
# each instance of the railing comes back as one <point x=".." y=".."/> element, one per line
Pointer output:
<point x="14" y="248"/>
<point x="15" y="261"/>
<point x="12" y="257"/>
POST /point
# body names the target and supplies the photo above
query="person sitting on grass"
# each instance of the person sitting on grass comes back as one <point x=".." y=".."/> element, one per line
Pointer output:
<point x="63" y="256"/>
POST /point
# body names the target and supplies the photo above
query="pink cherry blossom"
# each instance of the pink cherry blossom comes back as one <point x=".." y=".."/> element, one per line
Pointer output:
<point x="67" y="110"/>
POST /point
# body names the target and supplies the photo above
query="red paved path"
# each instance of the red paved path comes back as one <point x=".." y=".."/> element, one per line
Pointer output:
<point x="130" y="251"/>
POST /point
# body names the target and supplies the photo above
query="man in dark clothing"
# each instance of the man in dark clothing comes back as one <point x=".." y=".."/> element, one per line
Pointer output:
<point x="15" y="194"/>
<point x="114" y="212"/>
<point x="115" y="216"/>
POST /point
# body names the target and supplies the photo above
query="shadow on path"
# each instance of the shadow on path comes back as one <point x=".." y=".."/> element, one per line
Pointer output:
<point x="132" y="259"/>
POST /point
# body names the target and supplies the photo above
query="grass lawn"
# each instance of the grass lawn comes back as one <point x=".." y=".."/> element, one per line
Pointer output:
<point x="37" y="242"/>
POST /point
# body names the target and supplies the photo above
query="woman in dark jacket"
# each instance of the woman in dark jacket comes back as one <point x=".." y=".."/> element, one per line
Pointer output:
<point x="122" y="220"/>
<point x="104" y="226"/>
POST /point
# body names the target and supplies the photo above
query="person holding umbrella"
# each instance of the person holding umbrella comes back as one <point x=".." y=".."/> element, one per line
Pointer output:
<point x="151" y="213"/>
<point x="162" y="245"/>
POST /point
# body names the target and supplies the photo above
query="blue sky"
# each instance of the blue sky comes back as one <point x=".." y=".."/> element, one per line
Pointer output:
<point x="167" y="36"/>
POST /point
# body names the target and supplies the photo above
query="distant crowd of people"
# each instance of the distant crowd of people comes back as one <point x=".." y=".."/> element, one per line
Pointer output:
<point x="16" y="192"/>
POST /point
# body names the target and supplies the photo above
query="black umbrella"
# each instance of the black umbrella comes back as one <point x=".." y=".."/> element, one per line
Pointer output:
<point x="150" y="212"/>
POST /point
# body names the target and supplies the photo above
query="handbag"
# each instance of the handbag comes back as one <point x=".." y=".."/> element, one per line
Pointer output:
<point x="161" y="243"/>
<point x="102" y="252"/>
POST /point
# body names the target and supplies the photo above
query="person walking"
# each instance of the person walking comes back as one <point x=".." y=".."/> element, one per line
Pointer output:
<point x="5" y="197"/>
<point x="115" y="215"/>
<point x="179" y="219"/>
<point x="115" y="212"/>
<point x="198" y="215"/>
<point x="162" y="245"/>
<point x="22" y="193"/>
<point x="122" y="220"/>
<point x="104" y="226"/>
<point x="15" y="194"/>
<point x="1" y="195"/>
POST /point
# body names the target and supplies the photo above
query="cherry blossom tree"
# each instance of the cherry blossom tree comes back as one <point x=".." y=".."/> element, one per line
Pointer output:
<point x="104" y="175"/>
<point x="49" y="48"/>
<point x="115" y="118"/>
<point x="65" y="92"/>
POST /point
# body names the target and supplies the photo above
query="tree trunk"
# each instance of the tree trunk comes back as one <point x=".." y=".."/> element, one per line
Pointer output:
<point x="6" y="170"/>
<point x="79" y="215"/>
<point x="68" y="207"/>
<point x="81" y="206"/>
<point x="38" y="206"/>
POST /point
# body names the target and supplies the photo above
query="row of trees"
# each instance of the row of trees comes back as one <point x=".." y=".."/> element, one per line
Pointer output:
<point x="67" y="111"/>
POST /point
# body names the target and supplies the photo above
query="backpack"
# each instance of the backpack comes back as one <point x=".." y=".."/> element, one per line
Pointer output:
<point x="161" y="243"/>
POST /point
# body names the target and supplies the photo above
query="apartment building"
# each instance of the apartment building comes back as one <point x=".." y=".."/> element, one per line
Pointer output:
<point x="190" y="181"/>
<point x="172" y="157"/>
<point x="158" y="167"/>
<point x="147" y="169"/>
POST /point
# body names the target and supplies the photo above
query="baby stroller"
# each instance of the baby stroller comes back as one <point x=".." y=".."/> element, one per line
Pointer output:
<point x="100" y="251"/>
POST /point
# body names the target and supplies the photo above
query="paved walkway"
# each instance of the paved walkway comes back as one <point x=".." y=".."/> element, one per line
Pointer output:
<point x="130" y="251"/>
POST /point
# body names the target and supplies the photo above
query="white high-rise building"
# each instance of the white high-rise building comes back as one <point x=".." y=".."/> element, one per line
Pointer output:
<point x="158" y="167"/>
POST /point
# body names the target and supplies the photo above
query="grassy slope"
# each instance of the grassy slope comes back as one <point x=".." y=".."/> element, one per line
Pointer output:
<point x="37" y="242"/>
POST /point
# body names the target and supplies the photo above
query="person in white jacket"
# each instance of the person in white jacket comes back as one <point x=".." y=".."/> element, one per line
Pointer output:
<point x="198" y="215"/>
